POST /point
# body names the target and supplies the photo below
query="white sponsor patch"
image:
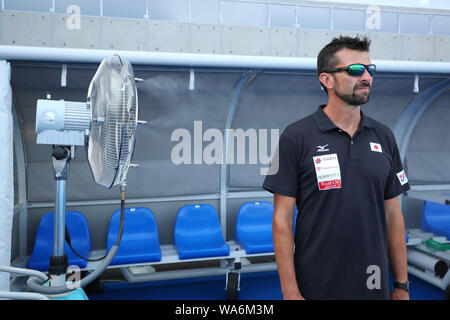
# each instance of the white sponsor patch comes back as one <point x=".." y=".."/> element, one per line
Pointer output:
<point x="402" y="177"/>
<point x="328" y="171"/>
<point x="375" y="147"/>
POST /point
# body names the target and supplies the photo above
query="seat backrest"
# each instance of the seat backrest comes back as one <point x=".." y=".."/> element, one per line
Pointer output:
<point x="140" y="237"/>
<point x="254" y="222"/>
<point x="197" y="225"/>
<point x="436" y="218"/>
<point x="43" y="246"/>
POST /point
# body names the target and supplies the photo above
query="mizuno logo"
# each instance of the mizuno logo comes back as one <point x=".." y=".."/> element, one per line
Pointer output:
<point x="322" y="148"/>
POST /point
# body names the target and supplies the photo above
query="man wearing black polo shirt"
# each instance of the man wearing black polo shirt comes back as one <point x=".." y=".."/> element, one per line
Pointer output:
<point x="343" y="171"/>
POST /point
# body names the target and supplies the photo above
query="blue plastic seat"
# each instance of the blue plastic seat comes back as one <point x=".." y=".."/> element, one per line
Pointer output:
<point x="140" y="238"/>
<point x="294" y="222"/>
<point x="197" y="233"/>
<point x="436" y="218"/>
<point x="254" y="227"/>
<point x="43" y="246"/>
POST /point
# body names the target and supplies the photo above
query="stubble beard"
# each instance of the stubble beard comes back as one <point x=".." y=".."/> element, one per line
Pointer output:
<point x="356" y="98"/>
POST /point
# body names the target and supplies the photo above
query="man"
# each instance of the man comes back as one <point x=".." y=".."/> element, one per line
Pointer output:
<point x="343" y="171"/>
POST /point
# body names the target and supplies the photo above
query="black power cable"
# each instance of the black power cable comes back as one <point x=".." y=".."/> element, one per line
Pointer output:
<point x="119" y="236"/>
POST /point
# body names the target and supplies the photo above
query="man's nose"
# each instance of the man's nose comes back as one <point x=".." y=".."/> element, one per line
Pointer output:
<point x="366" y="76"/>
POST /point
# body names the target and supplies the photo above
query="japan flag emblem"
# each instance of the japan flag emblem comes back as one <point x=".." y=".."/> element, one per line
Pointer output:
<point x="375" y="147"/>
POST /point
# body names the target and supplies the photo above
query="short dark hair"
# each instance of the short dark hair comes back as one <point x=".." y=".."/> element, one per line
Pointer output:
<point x="327" y="59"/>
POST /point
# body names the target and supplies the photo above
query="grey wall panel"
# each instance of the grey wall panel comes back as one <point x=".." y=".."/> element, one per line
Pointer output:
<point x="442" y="48"/>
<point x="294" y="94"/>
<point x="168" y="104"/>
<point x="272" y="101"/>
<point x="284" y="42"/>
<point x="124" y="34"/>
<point x="429" y="147"/>
<point x="159" y="32"/>
<point x="16" y="180"/>
<point x="380" y="42"/>
<point x="310" y="42"/>
<point x="26" y="29"/>
<point x="80" y="184"/>
<point x="158" y="178"/>
<point x="412" y="212"/>
<point x="428" y="167"/>
<point x="15" y="237"/>
<point x="165" y="101"/>
<point x="30" y="82"/>
<point x="390" y="96"/>
<point x="418" y="48"/>
<point x="196" y="32"/>
<point x="245" y="40"/>
<point x="246" y="177"/>
<point x="84" y="33"/>
<point x="206" y="38"/>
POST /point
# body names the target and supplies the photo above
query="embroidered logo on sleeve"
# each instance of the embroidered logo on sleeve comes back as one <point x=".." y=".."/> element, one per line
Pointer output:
<point x="327" y="171"/>
<point x="375" y="147"/>
<point x="402" y="177"/>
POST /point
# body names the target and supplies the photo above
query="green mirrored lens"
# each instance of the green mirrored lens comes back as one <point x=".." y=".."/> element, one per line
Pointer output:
<point x="356" y="69"/>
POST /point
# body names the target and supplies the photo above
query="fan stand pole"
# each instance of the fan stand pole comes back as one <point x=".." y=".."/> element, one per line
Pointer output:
<point x="58" y="261"/>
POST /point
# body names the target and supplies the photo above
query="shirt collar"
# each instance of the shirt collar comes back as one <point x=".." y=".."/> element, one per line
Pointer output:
<point x="325" y="124"/>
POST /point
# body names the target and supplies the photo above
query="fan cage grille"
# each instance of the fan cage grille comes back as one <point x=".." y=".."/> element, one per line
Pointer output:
<point x="113" y="100"/>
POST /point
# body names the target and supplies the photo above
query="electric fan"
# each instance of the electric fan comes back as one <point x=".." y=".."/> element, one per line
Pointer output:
<point x="106" y="125"/>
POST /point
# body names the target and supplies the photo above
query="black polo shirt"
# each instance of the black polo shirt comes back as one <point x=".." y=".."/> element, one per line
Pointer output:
<point x="340" y="184"/>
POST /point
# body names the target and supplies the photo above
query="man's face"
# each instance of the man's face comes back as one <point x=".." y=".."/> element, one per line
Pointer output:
<point x="353" y="90"/>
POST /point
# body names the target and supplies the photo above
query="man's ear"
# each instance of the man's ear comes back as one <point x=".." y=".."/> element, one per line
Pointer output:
<point x="327" y="80"/>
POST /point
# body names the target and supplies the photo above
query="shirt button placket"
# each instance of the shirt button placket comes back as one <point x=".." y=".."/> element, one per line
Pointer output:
<point x="351" y="148"/>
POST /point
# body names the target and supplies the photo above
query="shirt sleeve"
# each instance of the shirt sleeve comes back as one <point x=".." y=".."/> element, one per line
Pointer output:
<point x="282" y="177"/>
<point x="397" y="182"/>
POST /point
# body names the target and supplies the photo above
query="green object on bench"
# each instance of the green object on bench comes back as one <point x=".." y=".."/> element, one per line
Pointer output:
<point x="434" y="245"/>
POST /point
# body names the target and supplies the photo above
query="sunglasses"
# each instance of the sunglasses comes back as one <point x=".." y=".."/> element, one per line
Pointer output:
<point x="356" y="69"/>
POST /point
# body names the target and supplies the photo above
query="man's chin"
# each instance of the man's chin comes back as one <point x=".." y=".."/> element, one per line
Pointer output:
<point x="356" y="101"/>
<point x="360" y="99"/>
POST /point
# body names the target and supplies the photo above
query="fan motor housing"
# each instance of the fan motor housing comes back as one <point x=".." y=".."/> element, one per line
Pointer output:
<point x="62" y="122"/>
